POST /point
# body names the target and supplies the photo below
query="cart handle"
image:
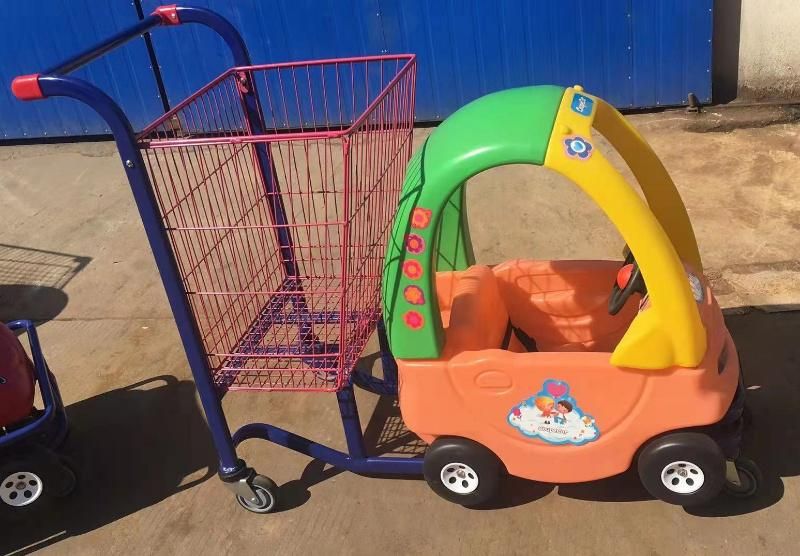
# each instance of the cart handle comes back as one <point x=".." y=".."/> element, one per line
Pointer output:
<point x="51" y="83"/>
<point x="37" y="86"/>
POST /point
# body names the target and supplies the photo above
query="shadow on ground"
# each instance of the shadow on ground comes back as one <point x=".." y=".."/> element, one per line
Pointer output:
<point x="32" y="282"/>
<point x="132" y="447"/>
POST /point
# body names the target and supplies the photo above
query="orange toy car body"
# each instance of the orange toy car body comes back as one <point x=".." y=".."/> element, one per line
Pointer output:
<point x="472" y="391"/>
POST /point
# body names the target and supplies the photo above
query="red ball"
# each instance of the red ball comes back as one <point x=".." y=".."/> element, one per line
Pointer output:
<point x="16" y="379"/>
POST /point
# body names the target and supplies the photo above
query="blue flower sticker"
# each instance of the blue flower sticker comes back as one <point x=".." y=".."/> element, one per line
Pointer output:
<point x="578" y="147"/>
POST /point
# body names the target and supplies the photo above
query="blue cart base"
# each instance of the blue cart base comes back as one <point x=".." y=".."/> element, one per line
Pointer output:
<point x="263" y="497"/>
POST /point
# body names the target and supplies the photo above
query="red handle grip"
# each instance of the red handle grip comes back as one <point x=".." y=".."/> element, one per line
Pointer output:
<point x="26" y="87"/>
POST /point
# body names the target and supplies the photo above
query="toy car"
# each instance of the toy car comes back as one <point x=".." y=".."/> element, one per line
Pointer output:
<point x="31" y="470"/>
<point x="559" y="371"/>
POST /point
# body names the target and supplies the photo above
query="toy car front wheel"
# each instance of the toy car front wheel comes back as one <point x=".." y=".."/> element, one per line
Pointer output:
<point x="266" y="496"/>
<point x="686" y="468"/>
<point x="462" y="471"/>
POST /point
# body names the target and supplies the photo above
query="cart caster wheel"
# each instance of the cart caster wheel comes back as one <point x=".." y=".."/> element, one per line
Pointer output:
<point x="266" y="496"/>
<point x="750" y="478"/>
<point x="462" y="471"/>
<point x="685" y="468"/>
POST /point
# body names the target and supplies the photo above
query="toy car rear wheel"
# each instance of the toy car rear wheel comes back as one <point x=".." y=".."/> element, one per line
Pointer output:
<point x="750" y="479"/>
<point x="462" y="471"/>
<point x="266" y="496"/>
<point x="685" y="468"/>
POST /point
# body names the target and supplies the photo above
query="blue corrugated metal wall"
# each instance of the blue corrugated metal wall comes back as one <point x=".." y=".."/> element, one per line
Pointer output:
<point x="39" y="33"/>
<point x="634" y="53"/>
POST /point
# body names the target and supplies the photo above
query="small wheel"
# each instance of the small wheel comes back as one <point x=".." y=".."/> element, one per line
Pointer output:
<point x="67" y="480"/>
<point x="750" y="478"/>
<point x="35" y="480"/>
<point x="462" y="471"/>
<point x="21" y="488"/>
<point x="685" y="468"/>
<point x="266" y="496"/>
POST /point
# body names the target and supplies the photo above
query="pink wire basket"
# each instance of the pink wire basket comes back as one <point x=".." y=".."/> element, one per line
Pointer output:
<point x="279" y="227"/>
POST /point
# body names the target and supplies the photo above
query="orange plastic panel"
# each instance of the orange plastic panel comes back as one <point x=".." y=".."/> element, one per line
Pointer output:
<point x="473" y="393"/>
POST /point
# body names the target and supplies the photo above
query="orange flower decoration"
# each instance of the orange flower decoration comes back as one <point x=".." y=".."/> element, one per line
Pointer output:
<point x="420" y="218"/>
<point x="412" y="269"/>
<point x="414" y="295"/>
<point x="415" y="244"/>
<point x="414" y="320"/>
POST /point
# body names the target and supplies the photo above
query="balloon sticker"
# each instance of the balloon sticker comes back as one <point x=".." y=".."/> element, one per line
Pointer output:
<point x="554" y="416"/>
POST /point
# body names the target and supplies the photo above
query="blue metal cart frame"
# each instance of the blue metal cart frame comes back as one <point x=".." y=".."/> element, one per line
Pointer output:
<point x="234" y="472"/>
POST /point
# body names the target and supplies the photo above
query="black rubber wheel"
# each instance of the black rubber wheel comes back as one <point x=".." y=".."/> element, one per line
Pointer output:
<point x="266" y="496"/>
<point x="68" y="479"/>
<point x="462" y="471"/>
<point x="684" y="468"/>
<point x="750" y="477"/>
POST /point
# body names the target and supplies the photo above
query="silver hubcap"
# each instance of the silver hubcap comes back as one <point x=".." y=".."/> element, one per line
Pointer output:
<point x="21" y="488"/>
<point x="459" y="478"/>
<point x="682" y="477"/>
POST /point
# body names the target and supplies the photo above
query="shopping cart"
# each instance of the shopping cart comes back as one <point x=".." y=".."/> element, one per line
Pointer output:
<point x="266" y="197"/>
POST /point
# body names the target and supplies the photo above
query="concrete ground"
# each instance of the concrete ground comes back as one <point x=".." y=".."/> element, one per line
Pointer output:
<point x="75" y="258"/>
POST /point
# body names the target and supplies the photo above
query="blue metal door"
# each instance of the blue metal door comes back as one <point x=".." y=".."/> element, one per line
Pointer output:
<point x="38" y="33"/>
<point x="634" y="53"/>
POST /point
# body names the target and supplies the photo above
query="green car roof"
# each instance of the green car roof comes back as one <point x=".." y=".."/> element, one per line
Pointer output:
<point x="430" y="231"/>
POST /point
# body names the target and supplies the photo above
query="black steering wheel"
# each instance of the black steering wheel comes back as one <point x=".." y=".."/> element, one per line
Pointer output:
<point x="629" y="281"/>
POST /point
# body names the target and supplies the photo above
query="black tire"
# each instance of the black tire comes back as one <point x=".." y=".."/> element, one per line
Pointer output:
<point x="267" y="492"/>
<point x="462" y="471"/>
<point x="68" y="479"/>
<point x="683" y="460"/>
<point x="750" y="477"/>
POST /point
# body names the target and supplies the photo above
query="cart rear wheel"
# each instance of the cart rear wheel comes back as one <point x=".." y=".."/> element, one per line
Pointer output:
<point x="750" y="479"/>
<point x="462" y="471"/>
<point x="685" y="468"/>
<point x="266" y="499"/>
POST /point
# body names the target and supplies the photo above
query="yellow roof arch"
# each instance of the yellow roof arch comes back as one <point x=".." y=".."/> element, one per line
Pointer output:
<point x="658" y="231"/>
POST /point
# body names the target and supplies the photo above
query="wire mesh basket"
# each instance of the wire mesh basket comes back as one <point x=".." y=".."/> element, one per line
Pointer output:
<point x="278" y="205"/>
